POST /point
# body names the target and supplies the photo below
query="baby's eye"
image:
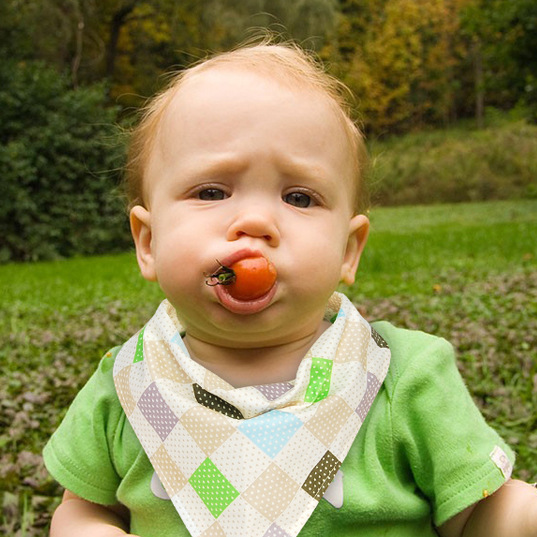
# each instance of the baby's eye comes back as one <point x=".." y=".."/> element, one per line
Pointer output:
<point x="298" y="199"/>
<point x="211" y="194"/>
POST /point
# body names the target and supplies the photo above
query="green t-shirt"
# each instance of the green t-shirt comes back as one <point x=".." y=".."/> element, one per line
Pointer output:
<point x="423" y="454"/>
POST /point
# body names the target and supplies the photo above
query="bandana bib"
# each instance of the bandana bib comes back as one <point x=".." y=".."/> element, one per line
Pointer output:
<point x="255" y="460"/>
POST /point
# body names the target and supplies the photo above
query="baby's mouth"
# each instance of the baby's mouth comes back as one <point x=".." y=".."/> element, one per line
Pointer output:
<point x="245" y="282"/>
<point x="244" y="307"/>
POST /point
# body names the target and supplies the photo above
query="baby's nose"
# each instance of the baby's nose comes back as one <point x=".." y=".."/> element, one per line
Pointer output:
<point x="257" y="223"/>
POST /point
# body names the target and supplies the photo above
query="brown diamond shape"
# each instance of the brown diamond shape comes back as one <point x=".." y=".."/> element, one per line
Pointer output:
<point x="208" y="429"/>
<point x="379" y="340"/>
<point x="159" y="364"/>
<point x="214" y="531"/>
<point x="216" y="403"/>
<point x="329" y="419"/>
<point x="271" y="492"/>
<point x="171" y="476"/>
<point x="122" y="382"/>
<point x="321" y="476"/>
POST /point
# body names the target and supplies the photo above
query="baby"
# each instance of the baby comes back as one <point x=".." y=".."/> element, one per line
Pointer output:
<point x="257" y="401"/>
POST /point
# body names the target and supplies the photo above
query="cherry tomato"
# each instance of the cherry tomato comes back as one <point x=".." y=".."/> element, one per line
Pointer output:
<point x="255" y="276"/>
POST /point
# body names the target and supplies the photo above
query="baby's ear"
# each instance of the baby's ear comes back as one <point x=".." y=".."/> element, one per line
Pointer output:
<point x="140" y="219"/>
<point x="358" y="233"/>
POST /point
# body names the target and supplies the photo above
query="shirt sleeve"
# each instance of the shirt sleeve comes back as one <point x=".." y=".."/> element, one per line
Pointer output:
<point x="79" y="454"/>
<point x="455" y="457"/>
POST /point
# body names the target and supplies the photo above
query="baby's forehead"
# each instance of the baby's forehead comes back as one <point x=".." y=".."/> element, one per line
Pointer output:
<point x="218" y="77"/>
<point x="246" y="83"/>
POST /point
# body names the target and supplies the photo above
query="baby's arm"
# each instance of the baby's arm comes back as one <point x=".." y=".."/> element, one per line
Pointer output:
<point x="76" y="516"/>
<point x="509" y="512"/>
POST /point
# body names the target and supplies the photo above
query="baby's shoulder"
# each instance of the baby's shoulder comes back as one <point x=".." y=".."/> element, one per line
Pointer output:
<point x="414" y="354"/>
<point x="100" y="386"/>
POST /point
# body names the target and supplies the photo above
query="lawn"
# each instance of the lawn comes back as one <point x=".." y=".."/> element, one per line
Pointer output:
<point x="467" y="272"/>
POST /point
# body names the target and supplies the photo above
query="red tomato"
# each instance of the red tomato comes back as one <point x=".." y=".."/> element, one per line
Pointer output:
<point x="255" y="276"/>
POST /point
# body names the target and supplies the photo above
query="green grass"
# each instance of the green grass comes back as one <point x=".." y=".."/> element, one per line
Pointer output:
<point x="467" y="272"/>
<point x="411" y="248"/>
<point x="73" y="284"/>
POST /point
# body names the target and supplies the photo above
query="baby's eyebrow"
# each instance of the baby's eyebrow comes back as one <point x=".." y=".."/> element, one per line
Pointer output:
<point x="225" y="165"/>
<point x="214" y="165"/>
<point x="305" y="169"/>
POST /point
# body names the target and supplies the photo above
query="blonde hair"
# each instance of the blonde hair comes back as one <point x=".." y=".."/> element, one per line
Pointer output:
<point x="287" y="63"/>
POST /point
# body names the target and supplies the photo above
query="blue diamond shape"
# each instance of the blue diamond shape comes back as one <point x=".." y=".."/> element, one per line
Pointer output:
<point x="271" y="431"/>
<point x="178" y="340"/>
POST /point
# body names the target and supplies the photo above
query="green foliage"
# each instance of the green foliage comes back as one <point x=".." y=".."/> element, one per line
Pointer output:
<point x="59" y="157"/>
<point x="457" y="164"/>
<point x="411" y="64"/>
<point x="401" y="72"/>
<point x="504" y="33"/>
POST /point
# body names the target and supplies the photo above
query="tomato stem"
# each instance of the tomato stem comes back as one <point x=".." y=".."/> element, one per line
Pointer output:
<point x="222" y="276"/>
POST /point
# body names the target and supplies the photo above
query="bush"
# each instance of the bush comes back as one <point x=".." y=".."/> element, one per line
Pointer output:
<point x="59" y="160"/>
<point x="457" y="165"/>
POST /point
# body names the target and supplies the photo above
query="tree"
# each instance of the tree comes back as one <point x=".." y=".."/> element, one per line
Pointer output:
<point x="58" y="167"/>
<point x="402" y="71"/>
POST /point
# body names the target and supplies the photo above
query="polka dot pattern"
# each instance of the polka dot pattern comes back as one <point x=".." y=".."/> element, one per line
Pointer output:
<point x="157" y="412"/>
<point x="373" y="386"/>
<point x="214" y="531"/>
<point x="240" y="518"/>
<point x="216" y="403"/>
<point x="206" y="428"/>
<point x="213" y="382"/>
<point x="270" y="432"/>
<point x="273" y="391"/>
<point x="213" y="488"/>
<point x="245" y="463"/>
<point x="139" y="353"/>
<point x="321" y="476"/>
<point x="275" y="531"/>
<point x="122" y="382"/>
<point x="161" y="367"/>
<point x="271" y="493"/>
<point x="329" y="419"/>
<point x="378" y="339"/>
<point x="353" y="344"/>
<point x="173" y="479"/>
<point x="255" y="460"/>
<point x="319" y="385"/>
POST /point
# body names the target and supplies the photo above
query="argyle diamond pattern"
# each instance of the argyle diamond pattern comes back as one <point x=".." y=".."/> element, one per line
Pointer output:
<point x="213" y="488"/>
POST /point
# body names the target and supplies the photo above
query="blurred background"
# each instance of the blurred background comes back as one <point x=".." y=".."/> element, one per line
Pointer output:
<point x="74" y="72"/>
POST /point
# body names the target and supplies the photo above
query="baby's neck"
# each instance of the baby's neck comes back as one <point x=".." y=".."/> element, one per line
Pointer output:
<point x="255" y="365"/>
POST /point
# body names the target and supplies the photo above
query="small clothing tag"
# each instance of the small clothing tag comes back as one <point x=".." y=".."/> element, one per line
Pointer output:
<point x="334" y="493"/>
<point x="157" y="489"/>
<point x="500" y="459"/>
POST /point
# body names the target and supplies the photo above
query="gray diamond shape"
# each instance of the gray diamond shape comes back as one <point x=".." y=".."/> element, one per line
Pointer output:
<point x="157" y="412"/>
<point x="276" y="531"/>
<point x="373" y="386"/>
<point x="273" y="391"/>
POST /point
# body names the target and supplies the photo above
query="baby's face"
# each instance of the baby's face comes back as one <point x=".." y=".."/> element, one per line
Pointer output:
<point x="243" y="165"/>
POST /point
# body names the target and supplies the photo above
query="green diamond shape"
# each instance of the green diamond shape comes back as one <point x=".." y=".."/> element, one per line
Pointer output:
<point x="139" y="353"/>
<point x="215" y="491"/>
<point x="320" y="375"/>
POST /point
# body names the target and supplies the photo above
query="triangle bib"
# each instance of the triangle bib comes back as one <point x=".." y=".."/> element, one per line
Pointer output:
<point x="254" y="460"/>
